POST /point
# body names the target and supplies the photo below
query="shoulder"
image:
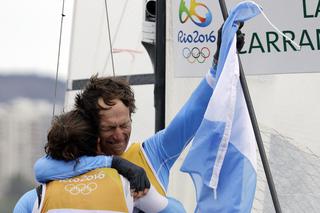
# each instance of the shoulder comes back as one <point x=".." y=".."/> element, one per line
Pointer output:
<point x="26" y="202"/>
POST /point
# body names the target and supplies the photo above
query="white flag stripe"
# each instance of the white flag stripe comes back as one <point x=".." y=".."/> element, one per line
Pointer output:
<point x="217" y="104"/>
<point x="221" y="106"/>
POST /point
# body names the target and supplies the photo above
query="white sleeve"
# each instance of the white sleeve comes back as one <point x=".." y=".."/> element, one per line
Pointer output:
<point x="152" y="202"/>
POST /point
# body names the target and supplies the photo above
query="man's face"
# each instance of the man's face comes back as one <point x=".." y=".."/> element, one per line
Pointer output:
<point x="115" y="127"/>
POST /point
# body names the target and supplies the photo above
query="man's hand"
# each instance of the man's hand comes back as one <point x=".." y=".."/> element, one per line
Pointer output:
<point x="139" y="182"/>
<point x="240" y="41"/>
<point x="240" y="37"/>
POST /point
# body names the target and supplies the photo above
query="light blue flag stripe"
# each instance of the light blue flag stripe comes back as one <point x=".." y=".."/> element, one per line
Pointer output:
<point x="222" y="157"/>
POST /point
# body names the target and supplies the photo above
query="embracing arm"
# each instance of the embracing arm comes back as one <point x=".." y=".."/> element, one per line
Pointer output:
<point x="47" y="169"/>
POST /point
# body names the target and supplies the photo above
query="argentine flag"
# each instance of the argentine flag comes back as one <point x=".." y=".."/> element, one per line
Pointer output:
<point x="222" y="158"/>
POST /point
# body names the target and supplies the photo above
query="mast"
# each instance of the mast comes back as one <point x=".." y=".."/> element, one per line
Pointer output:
<point x="160" y="65"/>
<point x="155" y="23"/>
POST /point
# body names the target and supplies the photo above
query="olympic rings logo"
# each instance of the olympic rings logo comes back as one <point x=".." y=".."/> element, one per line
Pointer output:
<point x="81" y="188"/>
<point x="196" y="54"/>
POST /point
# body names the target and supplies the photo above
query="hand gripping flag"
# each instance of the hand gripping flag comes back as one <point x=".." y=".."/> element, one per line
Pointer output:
<point x="222" y="158"/>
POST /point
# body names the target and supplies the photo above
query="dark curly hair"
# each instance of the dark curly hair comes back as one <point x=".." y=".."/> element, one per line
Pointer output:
<point x="71" y="136"/>
<point x="107" y="88"/>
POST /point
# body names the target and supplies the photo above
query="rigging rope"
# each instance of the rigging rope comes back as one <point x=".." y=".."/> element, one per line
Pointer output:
<point x="116" y="33"/>
<point x="109" y="34"/>
<point x="120" y="21"/>
<point x="276" y="28"/>
<point x="58" y="61"/>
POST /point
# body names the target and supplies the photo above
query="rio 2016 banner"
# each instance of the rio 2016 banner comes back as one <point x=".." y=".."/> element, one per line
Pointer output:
<point x="194" y="37"/>
<point x="265" y="50"/>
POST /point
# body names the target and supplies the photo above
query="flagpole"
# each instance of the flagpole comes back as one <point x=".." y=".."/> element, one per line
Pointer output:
<point x="255" y="125"/>
<point x="160" y="65"/>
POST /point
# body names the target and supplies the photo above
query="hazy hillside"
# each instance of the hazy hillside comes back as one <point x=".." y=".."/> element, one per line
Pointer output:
<point x="30" y="86"/>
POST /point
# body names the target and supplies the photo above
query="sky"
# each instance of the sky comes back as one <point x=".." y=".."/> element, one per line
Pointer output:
<point x="29" y="37"/>
<point x="30" y="31"/>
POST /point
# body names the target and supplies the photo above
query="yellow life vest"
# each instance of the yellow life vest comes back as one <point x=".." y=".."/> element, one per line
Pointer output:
<point x="98" y="190"/>
<point x="136" y="155"/>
